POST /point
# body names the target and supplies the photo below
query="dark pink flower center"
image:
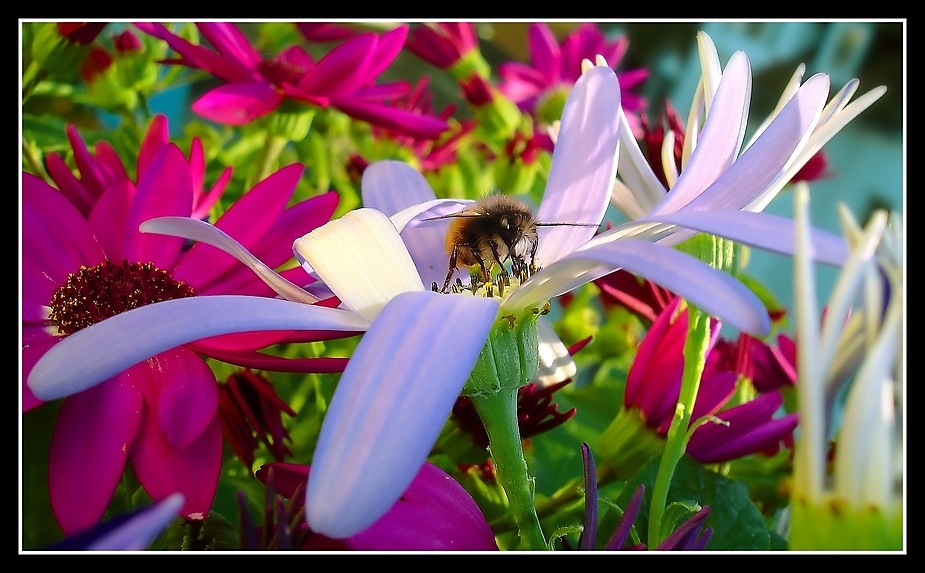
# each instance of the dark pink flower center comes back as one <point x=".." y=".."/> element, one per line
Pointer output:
<point x="96" y="293"/>
<point x="278" y="71"/>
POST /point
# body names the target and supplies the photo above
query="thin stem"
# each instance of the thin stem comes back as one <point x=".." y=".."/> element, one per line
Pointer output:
<point x="498" y="412"/>
<point x="695" y="348"/>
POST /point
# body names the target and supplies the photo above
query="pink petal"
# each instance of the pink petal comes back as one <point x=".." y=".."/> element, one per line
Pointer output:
<point x="406" y="122"/>
<point x="231" y="43"/>
<point x="342" y="70"/>
<point x="56" y="239"/>
<point x="193" y="471"/>
<point x="156" y="137"/>
<point x="167" y="189"/>
<point x="544" y="51"/>
<point x="238" y="103"/>
<point x="68" y="183"/>
<point x="89" y="448"/>
<point x="180" y="388"/>
<point x="30" y="355"/>
<point x="435" y="513"/>
<point x="247" y="220"/>
<point x="91" y="176"/>
<point x="109" y="216"/>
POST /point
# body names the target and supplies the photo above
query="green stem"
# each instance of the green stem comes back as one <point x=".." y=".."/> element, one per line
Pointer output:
<point x="498" y="412"/>
<point x="695" y="348"/>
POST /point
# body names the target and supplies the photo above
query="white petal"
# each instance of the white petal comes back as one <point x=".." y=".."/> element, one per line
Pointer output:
<point x="556" y="364"/>
<point x="637" y="174"/>
<point x="390" y="404"/>
<point x="362" y="259"/>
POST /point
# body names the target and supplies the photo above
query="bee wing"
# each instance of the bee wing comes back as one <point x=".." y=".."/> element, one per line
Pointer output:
<point x="461" y="215"/>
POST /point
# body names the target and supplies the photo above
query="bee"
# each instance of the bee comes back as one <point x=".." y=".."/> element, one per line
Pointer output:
<point x="491" y="231"/>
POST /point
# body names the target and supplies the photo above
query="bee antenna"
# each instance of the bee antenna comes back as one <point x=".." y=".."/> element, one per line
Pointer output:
<point x="568" y="225"/>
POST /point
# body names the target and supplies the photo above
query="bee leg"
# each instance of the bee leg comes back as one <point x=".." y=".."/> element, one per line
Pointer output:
<point x="532" y="269"/>
<point x="494" y="252"/>
<point x="486" y="277"/>
<point x="449" y="274"/>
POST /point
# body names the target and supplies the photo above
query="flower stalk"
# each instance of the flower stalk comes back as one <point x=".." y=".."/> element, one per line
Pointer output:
<point x="695" y="349"/>
<point x="498" y="412"/>
<point x="718" y="253"/>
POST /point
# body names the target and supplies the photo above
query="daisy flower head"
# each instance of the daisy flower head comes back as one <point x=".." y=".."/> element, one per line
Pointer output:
<point x="540" y="87"/>
<point x="79" y="270"/>
<point x="720" y="172"/>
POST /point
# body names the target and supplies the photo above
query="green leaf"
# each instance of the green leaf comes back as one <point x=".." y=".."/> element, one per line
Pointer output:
<point x="736" y="522"/>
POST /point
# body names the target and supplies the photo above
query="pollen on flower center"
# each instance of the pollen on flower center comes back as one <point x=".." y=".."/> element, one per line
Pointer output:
<point x="95" y="293"/>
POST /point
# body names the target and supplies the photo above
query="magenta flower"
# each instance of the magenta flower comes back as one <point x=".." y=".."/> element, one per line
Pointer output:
<point x="654" y="383"/>
<point x="102" y="169"/>
<point x="555" y="68"/>
<point x="435" y="513"/>
<point x="256" y="86"/>
<point x="324" y="31"/>
<point x="443" y="44"/>
<point x="162" y="413"/>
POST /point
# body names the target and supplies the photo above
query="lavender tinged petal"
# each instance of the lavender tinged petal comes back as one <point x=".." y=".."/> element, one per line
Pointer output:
<point x="584" y="164"/>
<point x="391" y="402"/>
<point x="75" y="363"/>
<point x="212" y="235"/>
<point x="391" y="186"/>
<point x="716" y="292"/>
<point x="764" y="163"/>
<point x="639" y="189"/>
<point x="720" y="140"/>
<point x="763" y="230"/>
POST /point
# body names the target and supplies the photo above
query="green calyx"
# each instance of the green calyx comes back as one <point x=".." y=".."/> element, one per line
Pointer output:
<point x="627" y="445"/>
<point x="510" y="357"/>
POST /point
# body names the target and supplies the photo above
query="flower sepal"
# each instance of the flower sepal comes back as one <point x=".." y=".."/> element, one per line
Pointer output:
<point x="627" y="445"/>
<point x="469" y="64"/>
<point x="510" y="357"/>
